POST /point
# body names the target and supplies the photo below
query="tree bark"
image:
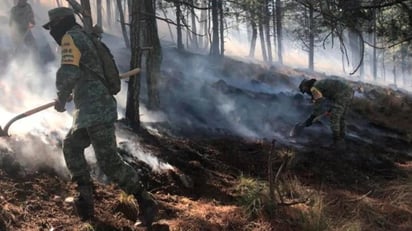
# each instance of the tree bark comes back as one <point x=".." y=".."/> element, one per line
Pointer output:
<point x="214" y="48"/>
<point x="203" y="24"/>
<point x="179" y="26"/>
<point x="133" y="90"/>
<point x="274" y="24"/>
<point x="194" y="27"/>
<point x="129" y="10"/>
<point x="267" y="30"/>
<point x="311" y="38"/>
<point x="374" y="58"/>
<point x="395" y="79"/>
<point x="279" y="30"/>
<point x="109" y="13"/>
<point x="154" y="58"/>
<point x="168" y="25"/>
<point x="99" y="13"/>
<point x="404" y="62"/>
<point x="262" y="40"/>
<point x="87" y="17"/>
<point x="253" y="39"/>
<point x="221" y="28"/>
<point x="123" y="24"/>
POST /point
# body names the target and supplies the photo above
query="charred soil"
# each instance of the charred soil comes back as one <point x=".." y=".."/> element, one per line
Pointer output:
<point x="220" y="180"/>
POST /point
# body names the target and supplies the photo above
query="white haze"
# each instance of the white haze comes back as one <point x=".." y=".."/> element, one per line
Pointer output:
<point x="190" y="101"/>
<point x="36" y="140"/>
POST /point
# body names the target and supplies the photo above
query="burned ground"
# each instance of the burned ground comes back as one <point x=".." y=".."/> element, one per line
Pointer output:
<point x="212" y="145"/>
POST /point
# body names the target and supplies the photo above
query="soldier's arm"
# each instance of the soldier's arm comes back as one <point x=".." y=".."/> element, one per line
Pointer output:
<point x="69" y="71"/>
<point x="317" y="98"/>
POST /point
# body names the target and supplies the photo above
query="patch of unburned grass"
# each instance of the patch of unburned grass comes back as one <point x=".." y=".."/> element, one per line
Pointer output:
<point x="313" y="218"/>
<point x="253" y="195"/>
<point x="86" y="227"/>
<point x="127" y="200"/>
<point x="385" y="207"/>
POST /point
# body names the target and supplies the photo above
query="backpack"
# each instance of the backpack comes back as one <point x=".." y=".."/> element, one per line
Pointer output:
<point x="111" y="72"/>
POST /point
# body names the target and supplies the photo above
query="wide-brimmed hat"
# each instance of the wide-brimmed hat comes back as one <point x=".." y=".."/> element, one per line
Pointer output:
<point x="56" y="14"/>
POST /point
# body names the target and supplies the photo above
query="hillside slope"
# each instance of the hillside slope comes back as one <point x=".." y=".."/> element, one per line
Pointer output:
<point x="223" y="133"/>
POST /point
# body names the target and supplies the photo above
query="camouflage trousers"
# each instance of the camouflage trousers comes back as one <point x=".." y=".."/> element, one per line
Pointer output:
<point x="338" y="113"/>
<point x="102" y="138"/>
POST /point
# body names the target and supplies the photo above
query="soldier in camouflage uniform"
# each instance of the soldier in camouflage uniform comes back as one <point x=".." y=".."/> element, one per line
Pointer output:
<point x="339" y="94"/>
<point x="21" y="22"/>
<point x="94" y="116"/>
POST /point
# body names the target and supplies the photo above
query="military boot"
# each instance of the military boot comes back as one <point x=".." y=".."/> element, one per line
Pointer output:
<point x="148" y="207"/>
<point x="83" y="202"/>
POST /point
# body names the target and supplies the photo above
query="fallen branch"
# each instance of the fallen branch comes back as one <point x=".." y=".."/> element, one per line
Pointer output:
<point x="361" y="197"/>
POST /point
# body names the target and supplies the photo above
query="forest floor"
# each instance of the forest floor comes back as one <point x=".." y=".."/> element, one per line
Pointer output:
<point x="220" y="180"/>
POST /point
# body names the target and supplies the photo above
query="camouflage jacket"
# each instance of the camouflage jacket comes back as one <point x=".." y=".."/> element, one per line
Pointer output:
<point x="79" y="74"/>
<point x="336" y="91"/>
<point x="21" y="16"/>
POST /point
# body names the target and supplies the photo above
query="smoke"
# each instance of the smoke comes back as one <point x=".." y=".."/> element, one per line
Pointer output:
<point x="27" y="81"/>
<point x="199" y="96"/>
<point x="212" y="97"/>
<point x="130" y="143"/>
<point x="36" y="152"/>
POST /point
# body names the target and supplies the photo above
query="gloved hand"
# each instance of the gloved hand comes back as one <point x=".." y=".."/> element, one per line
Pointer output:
<point x="59" y="106"/>
<point x="309" y="121"/>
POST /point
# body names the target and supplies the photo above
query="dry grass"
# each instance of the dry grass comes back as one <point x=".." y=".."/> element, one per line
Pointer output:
<point x="385" y="208"/>
<point x="205" y="215"/>
<point x="313" y="219"/>
<point x="253" y="195"/>
<point x="127" y="200"/>
<point x="86" y="227"/>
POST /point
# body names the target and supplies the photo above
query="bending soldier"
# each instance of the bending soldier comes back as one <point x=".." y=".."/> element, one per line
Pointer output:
<point x="339" y="94"/>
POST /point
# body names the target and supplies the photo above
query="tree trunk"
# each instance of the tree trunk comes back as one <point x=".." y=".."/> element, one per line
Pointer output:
<point x="374" y="58"/>
<point x="129" y="7"/>
<point x="311" y="39"/>
<point x="109" y="13"/>
<point x="179" y="26"/>
<point x="355" y="48"/>
<point x="267" y="31"/>
<point x="87" y="17"/>
<point x="154" y="58"/>
<point x="214" y="48"/>
<point x="279" y="30"/>
<point x="383" y="66"/>
<point x="262" y="40"/>
<point x="253" y="39"/>
<point x="168" y="25"/>
<point x="395" y="80"/>
<point x="122" y="23"/>
<point x="404" y="62"/>
<point x="133" y="90"/>
<point x="274" y="24"/>
<point x="203" y="24"/>
<point x="194" y="27"/>
<point x="99" y="13"/>
<point x="188" y="34"/>
<point x="222" y="28"/>
<point x="117" y="12"/>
